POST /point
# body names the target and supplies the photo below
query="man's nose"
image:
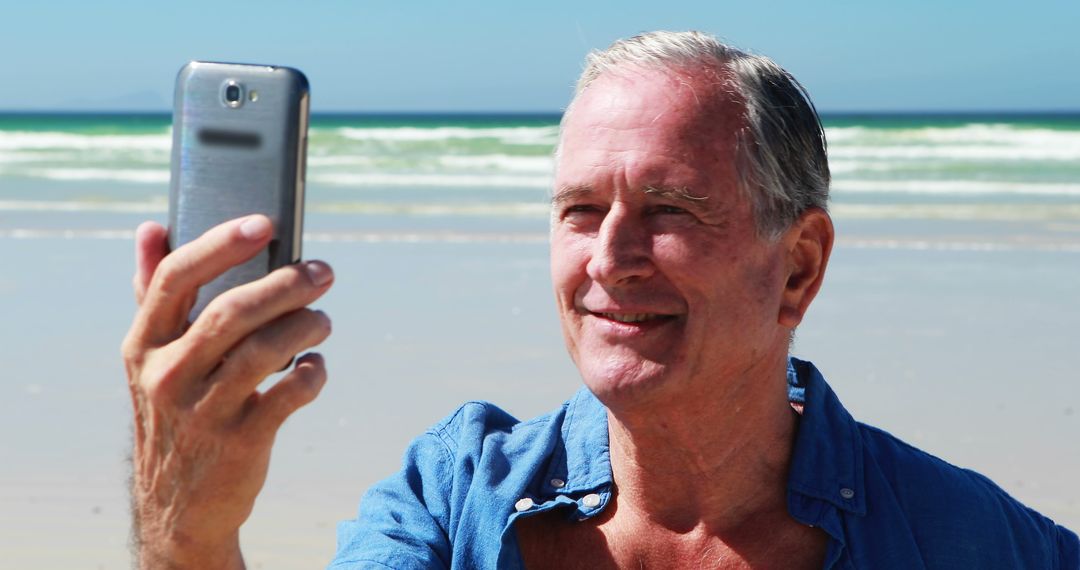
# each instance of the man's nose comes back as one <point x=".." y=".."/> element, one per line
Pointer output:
<point x="621" y="250"/>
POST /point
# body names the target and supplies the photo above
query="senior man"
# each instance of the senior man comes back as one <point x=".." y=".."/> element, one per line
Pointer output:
<point x="689" y="236"/>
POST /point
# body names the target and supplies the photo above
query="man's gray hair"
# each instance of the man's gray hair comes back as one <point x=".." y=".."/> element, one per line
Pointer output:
<point x="781" y="151"/>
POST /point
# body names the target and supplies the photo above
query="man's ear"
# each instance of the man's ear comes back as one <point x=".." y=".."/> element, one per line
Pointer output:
<point x="808" y="242"/>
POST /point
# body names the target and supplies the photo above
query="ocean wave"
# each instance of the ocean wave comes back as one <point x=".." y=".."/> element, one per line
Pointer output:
<point x="325" y="237"/>
<point x="541" y="164"/>
<point x="48" y="140"/>
<point x="842" y="134"/>
<point x="444" y="180"/>
<point x="1011" y="135"/>
<point x="506" y="135"/>
<point x="144" y="176"/>
<point x="340" y="160"/>
<point x="959" y="212"/>
<point x="24" y="157"/>
<point x="152" y="206"/>
<point x="954" y="245"/>
<point x="483" y="162"/>
<point x="957" y="187"/>
<point x="845" y="166"/>
<point x="965" y="152"/>
<point x="538" y="210"/>
<point x="540" y="238"/>
<point x="993" y="134"/>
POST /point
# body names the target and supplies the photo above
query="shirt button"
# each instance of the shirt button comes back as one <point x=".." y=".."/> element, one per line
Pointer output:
<point x="558" y="483"/>
<point x="847" y="493"/>
<point x="591" y="500"/>
<point x="523" y="504"/>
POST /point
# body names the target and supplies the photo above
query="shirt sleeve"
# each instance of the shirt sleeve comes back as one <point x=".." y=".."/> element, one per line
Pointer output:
<point x="403" y="520"/>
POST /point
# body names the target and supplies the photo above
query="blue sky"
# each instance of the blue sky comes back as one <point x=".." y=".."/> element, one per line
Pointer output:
<point x="384" y="55"/>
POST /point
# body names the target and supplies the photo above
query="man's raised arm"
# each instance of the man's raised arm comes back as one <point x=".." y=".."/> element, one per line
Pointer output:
<point x="203" y="433"/>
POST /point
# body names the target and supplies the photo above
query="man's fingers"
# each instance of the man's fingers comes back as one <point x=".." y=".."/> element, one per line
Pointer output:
<point x="177" y="278"/>
<point x="237" y="313"/>
<point x="291" y="393"/>
<point x="264" y="352"/>
<point x="151" y="246"/>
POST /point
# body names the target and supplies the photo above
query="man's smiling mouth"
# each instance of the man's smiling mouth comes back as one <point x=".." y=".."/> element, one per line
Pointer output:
<point x="634" y="317"/>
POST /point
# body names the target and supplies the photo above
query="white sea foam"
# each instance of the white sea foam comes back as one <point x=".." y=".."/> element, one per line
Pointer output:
<point x="497" y="209"/>
<point x="146" y="176"/>
<point x="156" y="206"/>
<point x="958" y="152"/>
<point x="31" y="157"/>
<point x="506" y="135"/>
<point x="837" y="166"/>
<point x="444" y="180"/>
<point x="992" y="134"/>
<point x="340" y="160"/>
<point x="26" y="140"/>
<point x="30" y="233"/>
<point x="343" y="236"/>
<point x="542" y="238"/>
<point x="953" y="245"/>
<point x="542" y="164"/>
<point x="958" y="187"/>
<point x="841" y="134"/>
<point x="1067" y="213"/>
<point x="975" y="141"/>
<point x="539" y="210"/>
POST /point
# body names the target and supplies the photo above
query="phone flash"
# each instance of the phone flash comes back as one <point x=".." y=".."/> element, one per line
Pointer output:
<point x="253" y="95"/>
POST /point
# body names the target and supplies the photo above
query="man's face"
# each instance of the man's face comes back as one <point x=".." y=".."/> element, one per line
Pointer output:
<point x="662" y="284"/>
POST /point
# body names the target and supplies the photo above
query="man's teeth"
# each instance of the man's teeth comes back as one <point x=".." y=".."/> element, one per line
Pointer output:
<point x="630" y="317"/>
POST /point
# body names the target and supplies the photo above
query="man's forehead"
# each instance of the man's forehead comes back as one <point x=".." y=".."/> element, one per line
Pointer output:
<point x="677" y="98"/>
<point x="659" y="128"/>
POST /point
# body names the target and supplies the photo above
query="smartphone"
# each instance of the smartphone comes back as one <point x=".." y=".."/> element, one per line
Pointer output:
<point x="239" y="147"/>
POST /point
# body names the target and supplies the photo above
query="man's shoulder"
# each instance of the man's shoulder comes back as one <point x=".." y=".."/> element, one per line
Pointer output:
<point x="481" y="425"/>
<point x="902" y="461"/>
<point x="939" y="499"/>
<point x="458" y="480"/>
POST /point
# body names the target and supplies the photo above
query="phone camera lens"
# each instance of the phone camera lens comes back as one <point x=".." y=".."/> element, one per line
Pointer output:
<point x="232" y="94"/>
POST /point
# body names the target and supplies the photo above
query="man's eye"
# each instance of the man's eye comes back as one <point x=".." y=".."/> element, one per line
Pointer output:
<point x="580" y="209"/>
<point x="669" y="210"/>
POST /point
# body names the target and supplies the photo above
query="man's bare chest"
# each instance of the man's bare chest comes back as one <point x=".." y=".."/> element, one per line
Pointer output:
<point x="550" y="541"/>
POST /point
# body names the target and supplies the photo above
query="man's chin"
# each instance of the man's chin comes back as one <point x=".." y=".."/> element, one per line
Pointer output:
<point x="620" y="385"/>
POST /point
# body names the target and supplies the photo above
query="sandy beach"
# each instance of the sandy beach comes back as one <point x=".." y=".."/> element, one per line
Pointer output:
<point x="956" y="336"/>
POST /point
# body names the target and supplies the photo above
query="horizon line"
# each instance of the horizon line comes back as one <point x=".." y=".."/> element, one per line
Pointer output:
<point x="436" y="112"/>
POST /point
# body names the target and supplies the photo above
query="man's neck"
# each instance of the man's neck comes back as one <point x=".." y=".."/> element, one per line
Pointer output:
<point x="709" y="460"/>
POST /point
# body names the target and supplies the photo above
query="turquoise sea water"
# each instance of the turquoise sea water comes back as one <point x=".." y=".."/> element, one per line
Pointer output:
<point x="1002" y="165"/>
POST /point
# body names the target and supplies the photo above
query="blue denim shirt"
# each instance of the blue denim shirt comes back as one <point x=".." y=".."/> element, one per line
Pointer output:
<point x="884" y="503"/>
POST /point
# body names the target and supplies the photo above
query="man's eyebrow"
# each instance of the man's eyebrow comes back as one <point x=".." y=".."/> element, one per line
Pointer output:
<point x="692" y="202"/>
<point x="676" y="193"/>
<point x="569" y="194"/>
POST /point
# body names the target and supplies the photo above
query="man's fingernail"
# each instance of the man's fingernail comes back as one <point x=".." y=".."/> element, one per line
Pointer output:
<point x="319" y="273"/>
<point x="255" y="227"/>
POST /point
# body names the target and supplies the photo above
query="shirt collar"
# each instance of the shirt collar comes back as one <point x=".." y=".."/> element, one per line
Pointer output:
<point x="583" y="460"/>
<point x="827" y="462"/>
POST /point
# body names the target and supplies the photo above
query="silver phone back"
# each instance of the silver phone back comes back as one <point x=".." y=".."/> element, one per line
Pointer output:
<point x="231" y="160"/>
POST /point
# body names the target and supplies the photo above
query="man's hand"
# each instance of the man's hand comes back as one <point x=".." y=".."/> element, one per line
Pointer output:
<point x="203" y="432"/>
